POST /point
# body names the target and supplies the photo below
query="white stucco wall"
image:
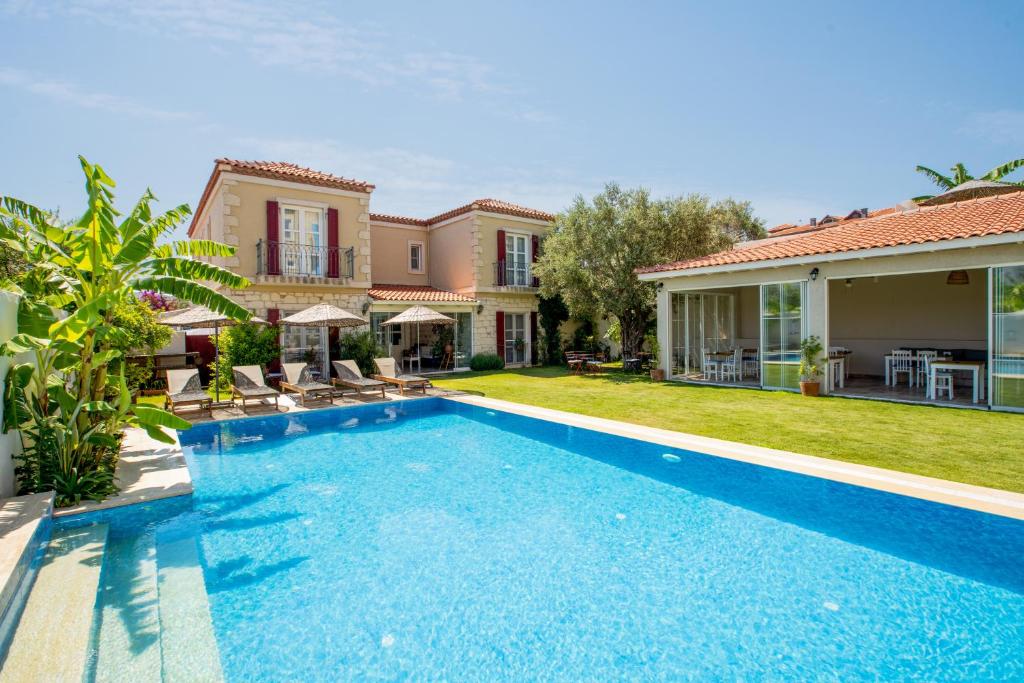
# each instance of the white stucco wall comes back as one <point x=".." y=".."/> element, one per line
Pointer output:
<point x="10" y="443"/>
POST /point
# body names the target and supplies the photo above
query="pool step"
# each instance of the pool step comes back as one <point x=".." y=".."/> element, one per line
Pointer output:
<point x="51" y="642"/>
<point x="128" y="641"/>
<point x="189" y="647"/>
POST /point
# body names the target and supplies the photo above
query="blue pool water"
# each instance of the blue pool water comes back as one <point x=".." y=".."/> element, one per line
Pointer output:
<point x="437" y="541"/>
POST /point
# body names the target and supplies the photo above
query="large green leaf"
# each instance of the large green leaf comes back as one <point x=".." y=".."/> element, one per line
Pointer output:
<point x="197" y="270"/>
<point x="156" y="417"/>
<point x="142" y="244"/>
<point x="945" y="182"/>
<point x="202" y="248"/>
<point x="81" y="321"/>
<point x="999" y="172"/>
<point x="194" y="293"/>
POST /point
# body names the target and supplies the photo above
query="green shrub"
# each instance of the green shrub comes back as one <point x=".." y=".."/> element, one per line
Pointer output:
<point x="245" y="344"/>
<point x="486" y="361"/>
<point x="362" y="347"/>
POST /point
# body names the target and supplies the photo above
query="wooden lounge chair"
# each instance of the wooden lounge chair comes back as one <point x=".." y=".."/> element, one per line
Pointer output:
<point x="298" y="379"/>
<point x="351" y="377"/>
<point x="250" y="385"/>
<point x="387" y="373"/>
<point x="185" y="389"/>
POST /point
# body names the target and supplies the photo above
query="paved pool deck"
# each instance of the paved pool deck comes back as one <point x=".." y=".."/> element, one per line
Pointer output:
<point x="982" y="499"/>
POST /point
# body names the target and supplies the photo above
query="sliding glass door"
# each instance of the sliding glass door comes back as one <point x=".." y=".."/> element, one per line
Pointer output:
<point x="701" y="322"/>
<point x="1007" y="346"/>
<point x="782" y="329"/>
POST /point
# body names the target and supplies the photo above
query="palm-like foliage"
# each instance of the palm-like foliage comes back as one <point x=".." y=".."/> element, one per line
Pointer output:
<point x="80" y="273"/>
<point x="960" y="175"/>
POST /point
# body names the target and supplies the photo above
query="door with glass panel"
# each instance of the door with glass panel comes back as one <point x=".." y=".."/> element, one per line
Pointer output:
<point x="516" y="253"/>
<point x="1007" y="348"/>
<point x="463" y="339"/>
<point x="304" y="345"/>
<point x="782" y="329"/>
<point x="301" y="241"/>
<point x="700" y="322"/>
<point x="515" y="338"/>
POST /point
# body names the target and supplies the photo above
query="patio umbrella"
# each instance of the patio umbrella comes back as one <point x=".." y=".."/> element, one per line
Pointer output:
<point x="972" y="189"/>
<point x="324" y="315"/>
<point x="198" y="317"/>
<point x="419" y="314"/>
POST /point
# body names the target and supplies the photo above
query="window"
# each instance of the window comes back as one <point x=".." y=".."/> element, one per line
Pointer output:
<point x="516" y="347"/>
<point x="415" y="257"/>
<point x="782" y="329"/>
<point x="304" y="344"/>
<point x="301" y="251"/>
<point x="1007" y="361"/>
<point x="517" y="260"/>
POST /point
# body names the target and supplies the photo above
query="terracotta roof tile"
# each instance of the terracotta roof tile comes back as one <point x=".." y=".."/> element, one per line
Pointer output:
<point x="281" y="170"/>
<point x="997" y="215"/>
<point x="491" y="205"/>
<point x="405" y="220"/>
<point x="415" y="293"/>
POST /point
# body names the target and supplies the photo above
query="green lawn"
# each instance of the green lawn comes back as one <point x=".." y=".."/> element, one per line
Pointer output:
<point x="970" y="446"/>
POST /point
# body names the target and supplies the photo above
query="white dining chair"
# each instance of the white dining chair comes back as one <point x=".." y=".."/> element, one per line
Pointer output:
<point x="752" y="365"/>
<point x="922" y="366"/>
<point x="731" y="368"/>
<point x="902" y="363"/>
<point x="943" y="378"/>
<point x="710" y="365"/>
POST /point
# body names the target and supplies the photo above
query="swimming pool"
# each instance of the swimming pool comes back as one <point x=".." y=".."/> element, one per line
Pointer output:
<point x="430" y="539"/>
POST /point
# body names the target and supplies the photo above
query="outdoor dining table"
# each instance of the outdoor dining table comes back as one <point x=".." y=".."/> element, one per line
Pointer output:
<point x="975" y="367"/>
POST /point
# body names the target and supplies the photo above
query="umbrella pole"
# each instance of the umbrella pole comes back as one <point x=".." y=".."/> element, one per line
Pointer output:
<point x="216" y="355"/>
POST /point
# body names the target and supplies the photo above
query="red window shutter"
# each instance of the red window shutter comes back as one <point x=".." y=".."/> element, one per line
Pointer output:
<point x="534" y="250"/>
<point x="333" y="268"/>
<point x="500" y="333"/>
<point x="533" y="335"/>
<point x="273" y="237"/>
<point x="499" y="279"/>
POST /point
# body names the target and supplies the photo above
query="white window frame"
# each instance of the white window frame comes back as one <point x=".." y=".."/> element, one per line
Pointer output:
<point x="305" y="263"/>
<point x="510" y="269"/>
<point x="422" y="257"/>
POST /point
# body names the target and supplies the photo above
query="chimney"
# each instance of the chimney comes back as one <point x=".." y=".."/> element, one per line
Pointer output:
<point x="814" y="222"/>
<point x="864" y="212"/>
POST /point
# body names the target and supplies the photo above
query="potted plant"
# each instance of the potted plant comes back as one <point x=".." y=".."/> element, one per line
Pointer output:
<point x="810" y="366"/>
<point x="657" y="373"/>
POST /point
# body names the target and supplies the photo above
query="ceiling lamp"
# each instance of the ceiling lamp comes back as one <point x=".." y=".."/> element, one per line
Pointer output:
<point x="958" y="277"/>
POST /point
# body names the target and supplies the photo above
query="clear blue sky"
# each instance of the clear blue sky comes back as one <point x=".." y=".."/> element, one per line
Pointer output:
<point x="802" y="108"/>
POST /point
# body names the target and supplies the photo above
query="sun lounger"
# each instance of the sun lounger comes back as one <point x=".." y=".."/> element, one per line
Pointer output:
<point x="185" y="389"/>
<point x="351" y="377"/>
<point x="298" y="379"/>
<point x="387" y="373"/>
<point x="250" y="385"/>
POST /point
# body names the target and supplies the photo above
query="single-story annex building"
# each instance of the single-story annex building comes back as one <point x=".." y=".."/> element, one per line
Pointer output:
<point x="906" y="300"/>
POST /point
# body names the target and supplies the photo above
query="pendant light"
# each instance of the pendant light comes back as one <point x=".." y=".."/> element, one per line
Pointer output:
<point x="958" y="277"/>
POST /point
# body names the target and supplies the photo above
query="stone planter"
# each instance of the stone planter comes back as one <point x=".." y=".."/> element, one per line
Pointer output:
<point x="657" y="374"/>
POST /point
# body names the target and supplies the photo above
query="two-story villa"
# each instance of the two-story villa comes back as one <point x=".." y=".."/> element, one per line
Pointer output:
<point x="304" y="237"/>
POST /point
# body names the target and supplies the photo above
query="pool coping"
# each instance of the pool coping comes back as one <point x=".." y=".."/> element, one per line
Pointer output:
<point x="969" y="496"/>
<point x="147" y="470"/>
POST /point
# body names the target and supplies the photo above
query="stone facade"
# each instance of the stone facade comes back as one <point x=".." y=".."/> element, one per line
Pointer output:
<point x="259" y="300"/>
<point x="485" y="323"/>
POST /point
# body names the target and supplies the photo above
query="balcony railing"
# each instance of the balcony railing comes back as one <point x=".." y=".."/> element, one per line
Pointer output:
<point x="518" y="274"/>
<point x="285" y="258"/>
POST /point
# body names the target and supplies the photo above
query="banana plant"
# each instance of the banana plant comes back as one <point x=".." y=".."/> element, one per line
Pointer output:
<point x="81" y="271"/>
<point x="959" y="176"/>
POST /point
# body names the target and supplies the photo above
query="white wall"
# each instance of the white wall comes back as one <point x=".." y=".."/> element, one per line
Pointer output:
<point x="10" y="443"/>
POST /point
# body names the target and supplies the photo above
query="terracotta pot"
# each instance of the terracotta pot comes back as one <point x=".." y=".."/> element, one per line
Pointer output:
<point x="657" y="374"/>
<point x="811" y="388"/>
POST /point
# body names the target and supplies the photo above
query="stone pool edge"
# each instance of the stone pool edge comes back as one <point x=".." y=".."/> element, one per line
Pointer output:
<point x="147" y="470"/>
<point x="978" y="498"/>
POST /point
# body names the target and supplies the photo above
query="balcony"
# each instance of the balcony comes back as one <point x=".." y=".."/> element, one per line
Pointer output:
<point x="514" y="275"/>
<point x="296" y="260"/>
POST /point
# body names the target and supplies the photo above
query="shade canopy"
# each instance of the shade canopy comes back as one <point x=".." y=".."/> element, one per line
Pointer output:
<point x="972" y="189"/>
<point x="324" y="315"/>
<point x="201" y="316"/>
<point x="419" y="314"/>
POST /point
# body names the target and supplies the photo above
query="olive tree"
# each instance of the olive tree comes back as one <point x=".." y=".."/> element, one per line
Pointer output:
<point x="591" y="255"/>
